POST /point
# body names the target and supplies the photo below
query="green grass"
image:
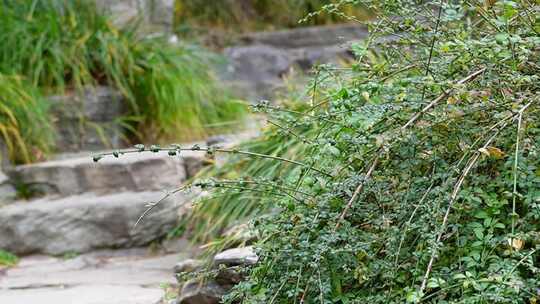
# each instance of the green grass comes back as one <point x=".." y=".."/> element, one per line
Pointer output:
<point x="194" y="16"/>
<point x="61" y="45"/>
<point x="214" y="215"/>
<point x="7" y="258"/>
<point x="25" y="127"/>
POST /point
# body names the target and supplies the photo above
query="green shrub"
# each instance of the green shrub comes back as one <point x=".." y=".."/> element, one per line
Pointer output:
<point x="429" y="146"/>
<point x="66" y="45"/>
<point x="25" y="127"/>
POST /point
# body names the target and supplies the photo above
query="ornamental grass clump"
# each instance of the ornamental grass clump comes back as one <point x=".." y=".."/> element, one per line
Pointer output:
<point x="60" y="45"/>
<point x="420" y="166"/>
<point x="25" y="127"/>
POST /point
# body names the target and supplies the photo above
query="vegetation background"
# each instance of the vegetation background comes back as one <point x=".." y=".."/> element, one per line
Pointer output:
<point x="415" y="175"/>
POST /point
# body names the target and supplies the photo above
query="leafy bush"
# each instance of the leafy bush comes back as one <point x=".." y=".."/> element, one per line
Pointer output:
<point x="64" y="45"/>
<point x="420" y="180"/>
<point x="25" y="127"/>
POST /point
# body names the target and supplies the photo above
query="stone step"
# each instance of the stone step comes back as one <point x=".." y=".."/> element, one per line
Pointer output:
<point x="130" y="172"/>
<point x="86" y="222"/>
<point x="76" y="173"/>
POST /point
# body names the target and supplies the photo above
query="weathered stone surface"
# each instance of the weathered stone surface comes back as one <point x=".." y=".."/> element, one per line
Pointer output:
<point x="123" y="11"/>
<point x="162" y="12"/>
<point x="87" y="120"/>
<point x="130" y="172"/>
<point x="308" y="36"/>
<point x="229" y="264"/>
<point x="7" y="190"/>
<point x="189" y="265"/>
<point x="98" y="104"/>
<point x="241" y="234"/>
<point x="83" y="223"/>
<point x="86" y="294"/>
<point x="236" y="256"/>
<point x="131" y="276"/>
<point x="155" y="14"/>
<point x="228" y="277"/>
<point x="257" y="63"/>
<point x="194" y="292"/>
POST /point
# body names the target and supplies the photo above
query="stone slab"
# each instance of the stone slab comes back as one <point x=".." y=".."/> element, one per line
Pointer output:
<point x="308" y="36"/>
<point x="87" y="222"/>
<point x="130" y="172"/>
<point x="105" y="277"/>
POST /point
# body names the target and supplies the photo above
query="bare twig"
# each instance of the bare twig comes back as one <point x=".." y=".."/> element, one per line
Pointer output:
<point x="151" y="206"/>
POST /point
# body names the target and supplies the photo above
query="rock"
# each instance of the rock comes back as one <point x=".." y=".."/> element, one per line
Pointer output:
<point x="217" y="140"/>
<point x="257" y="63"/>
<point x="86" y="222"/>
<point x="87" y="120"/>
<point x="236" y="256"/>
<point x="156" y="15"/>
<point x="123" y="11"/>
<point x="308" y="36"/>
<point x="162" y="13"/>
<point x="189" y="265"/>
<point x="176" y="244"/>
<point x="194" y="292"/>
<point x="129" y="172"/>
<point x="194" y="162"/>
<point x="229" y="273"/>
<point x="7" y="190"/>
<point x="228" y="277"/>
<point x="307" y="57"/>
<point x="86" y="294"/>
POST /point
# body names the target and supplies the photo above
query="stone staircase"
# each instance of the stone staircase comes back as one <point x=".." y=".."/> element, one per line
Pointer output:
<point x="86" y="205"/>
<point x="81" y="205"/>
<point x="77" y="237"/>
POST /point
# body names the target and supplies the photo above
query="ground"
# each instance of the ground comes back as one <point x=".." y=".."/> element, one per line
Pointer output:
<point x="131" y="276"/>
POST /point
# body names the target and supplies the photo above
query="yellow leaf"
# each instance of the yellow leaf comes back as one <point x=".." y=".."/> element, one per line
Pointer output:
<point x="517" y="244"/>
<point x="366" y="96"/>
<point x="495" y="152"/>
<point x="492" y="152"/>
<point x="452" y="100"/>
<point x="484" y="151"/>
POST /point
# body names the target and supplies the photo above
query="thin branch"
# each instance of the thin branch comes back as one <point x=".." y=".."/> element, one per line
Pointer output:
<point x="404" y="127"/>
<point x="211" y="150"/>
<point x="357" y="192"/>
<point x="515" y="173"/>
<point x="453" y="198"/>
<point x="441" y="97"/>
